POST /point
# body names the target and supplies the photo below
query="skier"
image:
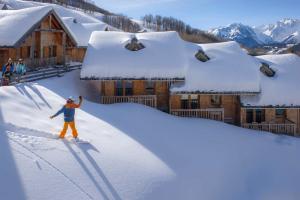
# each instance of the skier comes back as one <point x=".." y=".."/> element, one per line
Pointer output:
<point x="20" y="70"/>
<point x="6" y="76"/>
<point x="10" y="65"/>
<point x="69" y="113"/>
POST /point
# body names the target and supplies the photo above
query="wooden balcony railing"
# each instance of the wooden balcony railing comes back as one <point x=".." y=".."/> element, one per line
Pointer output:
<point x="210" y="113"/>
<point x="46" y="62"/>
<point x="288" y="128"/>
<point x="148" y="100"/>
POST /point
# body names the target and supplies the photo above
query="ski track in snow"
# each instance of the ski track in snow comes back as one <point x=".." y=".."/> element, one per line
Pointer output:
<point x="14" y="140"/>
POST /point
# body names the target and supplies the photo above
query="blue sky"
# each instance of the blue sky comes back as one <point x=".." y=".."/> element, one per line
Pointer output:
<point x="206" y="14"/>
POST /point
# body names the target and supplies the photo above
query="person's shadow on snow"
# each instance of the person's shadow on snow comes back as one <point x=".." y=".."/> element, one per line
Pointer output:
<point x="23" y="89"/>
<point x="85" y="148"/>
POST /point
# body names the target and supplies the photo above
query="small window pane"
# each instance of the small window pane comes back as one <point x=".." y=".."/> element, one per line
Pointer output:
<point x="185" y="96"/>
<point x="119" y="88"/>
<point x="184" y="104"/>
<point x="215" y="100"/>
<point x="128" y="88"/>
<point x="249" y="116"/>
<point x="260" y="115"/>
<point x="149" y="87"/>
<point x="194" y="104"/>
<point x="280" y="112"/>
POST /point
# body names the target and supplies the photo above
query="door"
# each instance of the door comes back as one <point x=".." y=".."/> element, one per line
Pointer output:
<point x="3" y="57"/>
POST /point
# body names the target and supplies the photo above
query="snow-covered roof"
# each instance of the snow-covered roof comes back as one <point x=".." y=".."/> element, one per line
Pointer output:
<point x="282" y="90"/>
<point x="107" y="57"/>
<point x="15" y="24"/>
<point x="82" y="31"/>
<point x="229" y="70"/>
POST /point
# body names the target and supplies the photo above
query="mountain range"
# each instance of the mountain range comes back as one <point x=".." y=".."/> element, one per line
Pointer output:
<point x="283" y="32"/>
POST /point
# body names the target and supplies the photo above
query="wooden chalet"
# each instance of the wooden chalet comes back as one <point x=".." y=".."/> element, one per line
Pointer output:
<point x="214" y="81"/>
<point x="119" y="73"/>
<point x="213" y="86"/>
<point x="37" y="35"/>
<point x="277" y="107"/>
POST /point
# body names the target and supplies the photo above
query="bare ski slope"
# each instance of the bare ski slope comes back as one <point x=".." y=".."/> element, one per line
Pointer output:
<point x="135" y="153"/>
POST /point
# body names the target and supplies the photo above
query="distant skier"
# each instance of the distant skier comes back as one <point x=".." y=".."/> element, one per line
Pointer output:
<point x="6" y="76"/>
<point x="20" y="70"/>
<point x="69" y="113"/>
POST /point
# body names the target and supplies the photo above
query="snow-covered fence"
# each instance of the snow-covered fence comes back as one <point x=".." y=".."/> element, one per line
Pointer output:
<point x="210" y="113"/>
<point x="288" y="128"/>
<point x="148" y="100"/>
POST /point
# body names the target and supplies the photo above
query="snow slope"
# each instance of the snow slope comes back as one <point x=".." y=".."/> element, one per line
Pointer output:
<point x="135" y="152"/>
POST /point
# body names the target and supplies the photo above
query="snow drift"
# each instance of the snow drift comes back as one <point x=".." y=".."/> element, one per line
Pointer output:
<point x="135" y="152"/>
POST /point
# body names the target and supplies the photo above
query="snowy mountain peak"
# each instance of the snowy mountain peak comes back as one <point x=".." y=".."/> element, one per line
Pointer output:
<point x="241" y="33"/>
<point x="285" y="31"/>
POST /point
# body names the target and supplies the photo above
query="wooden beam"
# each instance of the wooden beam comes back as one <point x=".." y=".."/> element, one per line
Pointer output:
<point x="64" y="47"/>
<point x="49" y="30"/>
<point x="50" y="22"/>
<point x="32" y="49"/>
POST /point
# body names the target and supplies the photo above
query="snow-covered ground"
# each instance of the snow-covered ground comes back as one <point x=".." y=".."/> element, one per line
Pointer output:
<point x="135" y="152"/>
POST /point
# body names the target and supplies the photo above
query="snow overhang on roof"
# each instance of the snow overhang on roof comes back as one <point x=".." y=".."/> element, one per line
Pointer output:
<point x="228" y="71"/>
<point x="162" y="58"/>
<point x="281" y="90"/>
<point x="26" y="20"/>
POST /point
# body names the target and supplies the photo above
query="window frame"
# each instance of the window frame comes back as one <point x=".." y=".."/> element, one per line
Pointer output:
<point x="249" y="113"/>
<point x="280" y="115"/>
<point x="150" y="90"/>
<point x="216" y="103"/>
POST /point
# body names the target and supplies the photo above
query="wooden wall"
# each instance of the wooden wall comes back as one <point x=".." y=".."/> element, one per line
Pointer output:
<point x="230" y="103"/>
<point x="161" y="90"/>
<point x="292" y="114"/>
<point x="76" y="54"/>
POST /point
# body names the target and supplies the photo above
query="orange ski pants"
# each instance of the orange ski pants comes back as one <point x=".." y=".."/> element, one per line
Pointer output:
<point x="65" y="128"/>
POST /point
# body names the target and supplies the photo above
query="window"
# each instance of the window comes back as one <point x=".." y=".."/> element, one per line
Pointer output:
<point x="249" y="115"/>
<point x="28" y="52"/>
<point x="124" y="88"/>
<point x="150" y="85"/>
<point x="260" y="115"/>
<point x="128" y="88"/>
<point x="215" y="100"/>
<point x="53" y="51"/>
<point x="184" y="102"/>
<point x="194" y="102"/>
<point x="189" y="102"/>
<point x="119" y="88"/>
<point x="280" y="112"/>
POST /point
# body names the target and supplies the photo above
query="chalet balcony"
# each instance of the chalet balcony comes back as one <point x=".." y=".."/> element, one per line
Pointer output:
<point x="148" y="100"/>
<point x="46" y="62"/>
<point x="288" y="128"/>
<point x="209" y="113"/>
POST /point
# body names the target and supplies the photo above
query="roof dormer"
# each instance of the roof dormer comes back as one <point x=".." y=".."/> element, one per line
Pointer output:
<point x="134" y="45"/>
<point x="201" y="56"/>
<point x="267" y="70"/>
